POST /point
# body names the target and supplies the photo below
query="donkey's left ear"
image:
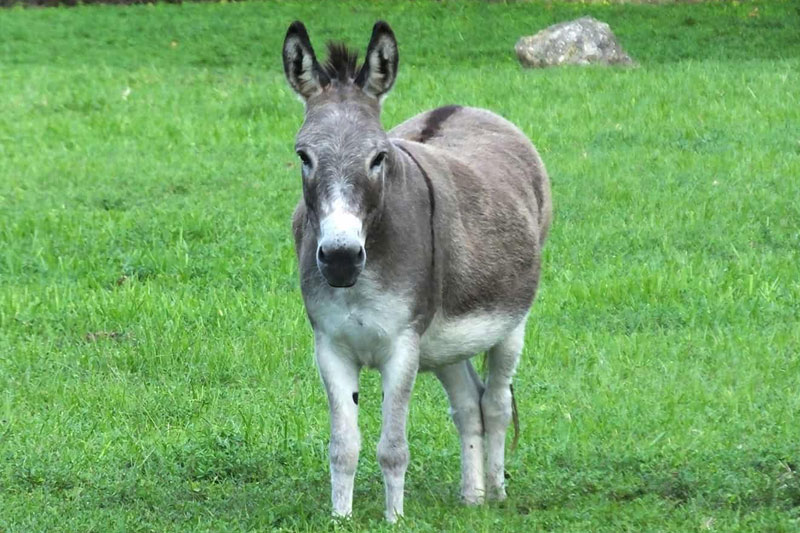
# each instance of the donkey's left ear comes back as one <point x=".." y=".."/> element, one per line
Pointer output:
<point x="379" y="71"/>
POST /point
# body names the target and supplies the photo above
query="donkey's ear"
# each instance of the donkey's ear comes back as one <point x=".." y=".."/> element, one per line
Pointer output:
<point x="300" y="64"/>
<point x="379" y="71"/>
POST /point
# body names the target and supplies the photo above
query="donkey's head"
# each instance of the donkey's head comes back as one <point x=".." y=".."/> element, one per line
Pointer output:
<point x="344" y="151"/>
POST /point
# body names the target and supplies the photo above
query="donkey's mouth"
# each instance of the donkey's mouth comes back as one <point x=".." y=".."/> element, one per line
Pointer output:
<point x="335" y="286"/>
<point x="338" y="277"/>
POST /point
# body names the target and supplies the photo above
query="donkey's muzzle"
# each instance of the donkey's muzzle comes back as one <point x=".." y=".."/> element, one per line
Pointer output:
<point x="340" y="264"/>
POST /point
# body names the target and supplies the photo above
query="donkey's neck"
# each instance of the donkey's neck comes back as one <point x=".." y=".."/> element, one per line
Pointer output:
<point x="431" y="204"/>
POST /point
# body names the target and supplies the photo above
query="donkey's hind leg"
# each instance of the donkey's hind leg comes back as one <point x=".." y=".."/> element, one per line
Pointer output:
<point x="496" y="406"/>
<point x="464" y="390"/>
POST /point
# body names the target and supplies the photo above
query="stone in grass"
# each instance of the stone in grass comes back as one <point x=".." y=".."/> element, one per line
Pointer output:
<point x="578" y="42"/>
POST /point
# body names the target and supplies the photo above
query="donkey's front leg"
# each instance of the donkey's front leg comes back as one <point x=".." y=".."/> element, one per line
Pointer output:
<point x="340" y="376"/>
<point x="398" y="374"/>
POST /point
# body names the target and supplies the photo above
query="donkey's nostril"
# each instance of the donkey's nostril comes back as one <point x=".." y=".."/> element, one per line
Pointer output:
<point x="340" y="254"/>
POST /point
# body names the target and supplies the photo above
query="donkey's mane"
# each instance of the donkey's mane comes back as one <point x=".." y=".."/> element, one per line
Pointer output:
<point x="342" y="62"/>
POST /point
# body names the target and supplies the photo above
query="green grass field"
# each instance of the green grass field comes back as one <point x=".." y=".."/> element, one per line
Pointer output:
<point x="156" y="368"/>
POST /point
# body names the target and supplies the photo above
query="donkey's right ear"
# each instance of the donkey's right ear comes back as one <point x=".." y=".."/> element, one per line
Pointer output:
<point x="300" y="64"/>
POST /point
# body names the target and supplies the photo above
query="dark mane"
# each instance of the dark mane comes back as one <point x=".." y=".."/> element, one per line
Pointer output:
<point x="342" y="62"/>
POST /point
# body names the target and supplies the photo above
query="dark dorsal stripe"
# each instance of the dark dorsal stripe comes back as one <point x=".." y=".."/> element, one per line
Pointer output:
<point x="432" y="200"/>
<point x="435" y="120"/>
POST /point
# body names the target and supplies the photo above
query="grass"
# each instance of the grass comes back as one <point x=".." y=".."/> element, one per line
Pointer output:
<point x="155" y="360"/>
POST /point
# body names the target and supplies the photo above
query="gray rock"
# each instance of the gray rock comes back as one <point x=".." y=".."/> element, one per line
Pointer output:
<point x="578" y="42"/>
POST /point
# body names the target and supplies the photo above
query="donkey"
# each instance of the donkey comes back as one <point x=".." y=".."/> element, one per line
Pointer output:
<point x="418" y="249"/>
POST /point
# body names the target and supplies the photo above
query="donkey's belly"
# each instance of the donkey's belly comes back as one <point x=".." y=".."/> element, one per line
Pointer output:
<point x="449" y="340"/>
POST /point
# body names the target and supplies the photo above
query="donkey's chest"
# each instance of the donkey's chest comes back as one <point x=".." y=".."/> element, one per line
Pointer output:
<point x="362" y="326"/>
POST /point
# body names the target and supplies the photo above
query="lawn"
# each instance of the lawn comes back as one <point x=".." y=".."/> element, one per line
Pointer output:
<point x="156" y="368"/>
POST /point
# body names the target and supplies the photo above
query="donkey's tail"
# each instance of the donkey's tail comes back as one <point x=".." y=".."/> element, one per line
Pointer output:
<point x="515" y="419"/>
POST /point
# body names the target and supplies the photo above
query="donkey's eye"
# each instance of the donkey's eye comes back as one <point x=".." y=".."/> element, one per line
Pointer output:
<point x="377" y="161"/>
<point x="304" y="159"/>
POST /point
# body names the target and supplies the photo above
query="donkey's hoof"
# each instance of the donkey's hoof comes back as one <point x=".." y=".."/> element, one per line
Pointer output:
<point x="341" y="515"/>
<point x="472" y="498"/>
<point x="497" y="494"/>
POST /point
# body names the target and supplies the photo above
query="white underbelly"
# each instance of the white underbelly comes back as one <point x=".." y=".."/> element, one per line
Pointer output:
<point x="448" y="340"/>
